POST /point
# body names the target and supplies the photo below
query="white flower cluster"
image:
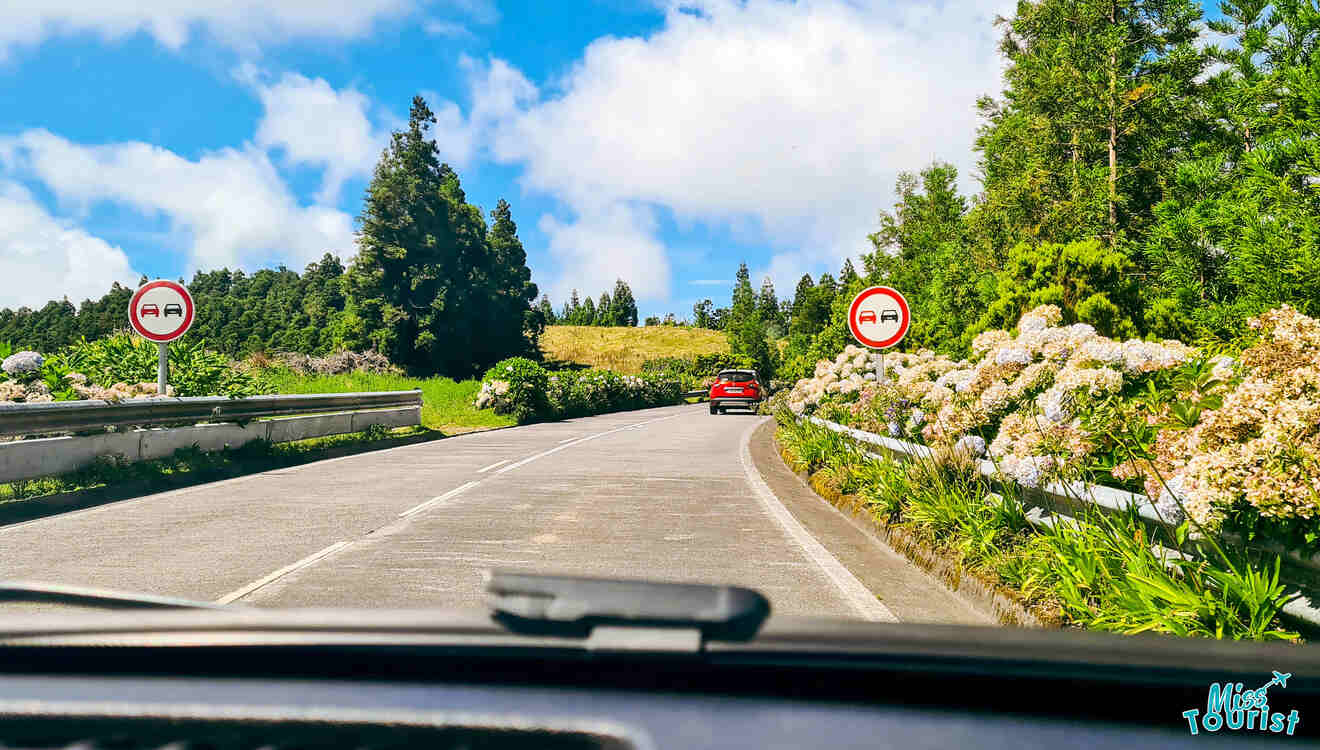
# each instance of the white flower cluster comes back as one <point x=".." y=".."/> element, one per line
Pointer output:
<point x="490" y="391"/>
<point x="845" y="375"/>
<point x="1046" y="370"/>
<point x="37" y="392"/>
<point x="20" y="364"/>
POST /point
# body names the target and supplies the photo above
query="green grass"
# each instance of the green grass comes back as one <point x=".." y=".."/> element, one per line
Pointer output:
<point x="624" y="349"/>
<point x="447" y="405"/>
<point x="1102" y="575"/>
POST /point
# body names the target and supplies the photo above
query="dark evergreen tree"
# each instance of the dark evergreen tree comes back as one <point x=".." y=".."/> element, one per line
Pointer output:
<point x="767" y="305"/>
<point x="623" y="308"/>
<point x="548" y="311"/>
<point x="515" y="324"/>
<point x="703" y="314"/>
<point x="421" y="288"/>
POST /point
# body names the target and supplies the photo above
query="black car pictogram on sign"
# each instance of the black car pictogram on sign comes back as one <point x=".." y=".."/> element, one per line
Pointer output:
<point x="174" y="310"/>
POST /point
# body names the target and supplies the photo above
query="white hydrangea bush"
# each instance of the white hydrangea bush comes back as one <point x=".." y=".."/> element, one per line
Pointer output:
<point x="1025" y="391"/>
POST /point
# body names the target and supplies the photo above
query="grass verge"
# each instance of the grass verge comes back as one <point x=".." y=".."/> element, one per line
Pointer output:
<point x="1104" y="574"/>
<point x="447" y="405"/>
<point x="624" y="349"/>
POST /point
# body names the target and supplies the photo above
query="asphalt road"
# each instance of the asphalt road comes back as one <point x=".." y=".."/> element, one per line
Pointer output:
<point x="671" y="493"/>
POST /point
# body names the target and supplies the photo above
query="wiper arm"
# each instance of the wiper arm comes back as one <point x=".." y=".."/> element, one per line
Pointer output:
<point x="28" y="591"/>
<point x="626" y="614"/>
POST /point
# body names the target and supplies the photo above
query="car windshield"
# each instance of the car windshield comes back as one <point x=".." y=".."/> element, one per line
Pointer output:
<point x="343" y="306"/>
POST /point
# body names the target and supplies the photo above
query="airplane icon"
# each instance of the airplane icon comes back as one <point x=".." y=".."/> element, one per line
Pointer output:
<point x="1280" y="679"/>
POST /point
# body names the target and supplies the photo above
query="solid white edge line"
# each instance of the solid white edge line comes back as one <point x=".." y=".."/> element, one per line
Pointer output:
<point x="438" y="499"/>
<point x="543" y="454"/>
<point x="854" y="591"/>
<point x="287" y="569"/>
<point x="488" y="468"/>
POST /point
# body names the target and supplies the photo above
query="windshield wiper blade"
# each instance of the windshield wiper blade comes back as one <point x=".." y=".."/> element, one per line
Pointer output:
<point x="628" y="614"/>
<point x="30" y="591"/>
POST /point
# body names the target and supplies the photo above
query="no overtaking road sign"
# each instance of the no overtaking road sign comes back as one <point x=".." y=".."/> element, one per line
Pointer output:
<point x="161" y="311"/>
<point x="879" y="317"/>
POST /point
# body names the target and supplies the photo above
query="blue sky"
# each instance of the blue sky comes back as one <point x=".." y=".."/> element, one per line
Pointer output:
<point x="660" y="142"/>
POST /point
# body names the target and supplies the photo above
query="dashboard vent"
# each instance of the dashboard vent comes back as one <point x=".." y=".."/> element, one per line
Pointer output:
<point x="101" y="733"/>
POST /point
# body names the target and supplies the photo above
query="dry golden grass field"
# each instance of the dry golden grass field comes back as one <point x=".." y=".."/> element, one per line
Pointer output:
<point x="624" y="349"/>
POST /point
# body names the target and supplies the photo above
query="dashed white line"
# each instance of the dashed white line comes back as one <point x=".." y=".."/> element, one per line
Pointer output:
<point x="287" y="569"/>
<point x="488" y="468"/>
<point x="543" y="454"/>
<point x="439" y="499"/>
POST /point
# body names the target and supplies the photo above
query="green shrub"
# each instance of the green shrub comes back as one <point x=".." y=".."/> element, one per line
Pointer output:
<point x="124" y="358"/>
<point x="570" y="393"/>
<point x="516" y="386"/>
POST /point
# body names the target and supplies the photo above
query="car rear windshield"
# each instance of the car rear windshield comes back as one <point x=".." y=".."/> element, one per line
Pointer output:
<point x="737" y="376"/>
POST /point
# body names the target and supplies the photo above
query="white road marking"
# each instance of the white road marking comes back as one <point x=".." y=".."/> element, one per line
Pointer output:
<point x="287" y="569"/>
<point x="565" y="440"/>
<point x="543" y="454"/>
<point x="488" y="468"/>
<point x="439" y="499"/>
<point x="853" y="590"/>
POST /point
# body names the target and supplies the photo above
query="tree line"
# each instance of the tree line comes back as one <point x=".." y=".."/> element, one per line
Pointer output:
<point x="434" y="286"/>
<point x="617" y="309"/>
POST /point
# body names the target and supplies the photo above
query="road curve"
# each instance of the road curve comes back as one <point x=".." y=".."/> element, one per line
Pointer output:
<point x="666" y="493"/>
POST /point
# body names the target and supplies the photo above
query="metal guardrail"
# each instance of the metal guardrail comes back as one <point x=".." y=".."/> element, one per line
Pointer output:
<point x="1062" y="495"/>
<point x="76" y="416"/>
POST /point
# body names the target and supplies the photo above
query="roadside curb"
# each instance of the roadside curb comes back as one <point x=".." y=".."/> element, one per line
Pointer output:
<point x="982" y="596"/>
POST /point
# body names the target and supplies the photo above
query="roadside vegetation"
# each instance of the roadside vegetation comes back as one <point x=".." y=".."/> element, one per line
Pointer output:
<point x="526" y="391"/>
<point x="1106" y="573"/>
<point x="1223" y="440"/>
<point x="447" y="405"/>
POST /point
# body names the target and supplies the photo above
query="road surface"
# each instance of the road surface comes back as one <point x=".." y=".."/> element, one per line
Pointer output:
<point x="671" y="493"/>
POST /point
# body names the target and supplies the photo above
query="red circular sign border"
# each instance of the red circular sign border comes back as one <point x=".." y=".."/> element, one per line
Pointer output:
<point x="870" y="292"/>
<point x="137" y="324"/>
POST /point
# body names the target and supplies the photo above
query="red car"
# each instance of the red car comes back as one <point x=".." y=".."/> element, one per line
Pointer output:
<point x="149" y="309"/>
<point x="735" y="388"/>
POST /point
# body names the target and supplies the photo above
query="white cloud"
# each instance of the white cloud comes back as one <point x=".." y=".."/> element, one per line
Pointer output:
<point x="42" y="258"/>
<point x="232" y="205"/>
<point x="711" y="282"/>
<point x="615" y="242"/>
<point x="793" y="118"/>
<point x="448" y="29"/>
<point x="314" y="124"/>
<point x="246" y="25"/>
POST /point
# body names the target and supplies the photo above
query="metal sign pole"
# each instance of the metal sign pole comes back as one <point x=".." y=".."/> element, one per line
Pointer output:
<point x="162" y="366"/>
<point x="880" y="368"/>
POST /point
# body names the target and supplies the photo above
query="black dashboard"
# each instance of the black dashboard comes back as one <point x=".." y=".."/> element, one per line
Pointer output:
<point x="423" y="696"/>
